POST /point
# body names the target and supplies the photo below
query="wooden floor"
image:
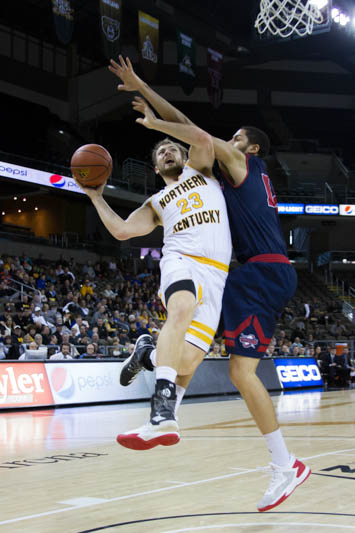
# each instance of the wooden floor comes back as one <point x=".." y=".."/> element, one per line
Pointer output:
<point x="62" y="471"/>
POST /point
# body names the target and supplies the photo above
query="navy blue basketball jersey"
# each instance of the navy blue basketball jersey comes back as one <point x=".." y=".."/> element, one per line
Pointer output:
<point x="253" y="216"/>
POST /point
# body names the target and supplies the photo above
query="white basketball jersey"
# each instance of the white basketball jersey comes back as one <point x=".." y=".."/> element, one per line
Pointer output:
<point x="194" y="216"/>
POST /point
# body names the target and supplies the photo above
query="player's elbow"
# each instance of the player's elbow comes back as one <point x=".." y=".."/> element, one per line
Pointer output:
<point x="204" y="139"/>
<point x="122" y="234"/>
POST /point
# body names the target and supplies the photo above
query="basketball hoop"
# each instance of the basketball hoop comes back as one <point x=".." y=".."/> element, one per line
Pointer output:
<point x="285" y="17"/>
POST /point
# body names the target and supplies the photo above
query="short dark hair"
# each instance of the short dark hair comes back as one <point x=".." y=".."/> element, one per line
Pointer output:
<point x="257" y="136"/>
<point x="183" y="149"/>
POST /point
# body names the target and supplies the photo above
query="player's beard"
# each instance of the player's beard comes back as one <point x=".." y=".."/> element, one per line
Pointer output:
<point x="172" y="172"/>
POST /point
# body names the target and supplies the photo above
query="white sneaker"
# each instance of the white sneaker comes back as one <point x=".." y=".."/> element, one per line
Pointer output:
<point x="150" y="435"/>
<point x="284" y="480"/>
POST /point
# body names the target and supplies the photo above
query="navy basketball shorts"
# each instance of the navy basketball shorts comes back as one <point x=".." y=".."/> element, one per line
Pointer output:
<point x="254" y="297"/>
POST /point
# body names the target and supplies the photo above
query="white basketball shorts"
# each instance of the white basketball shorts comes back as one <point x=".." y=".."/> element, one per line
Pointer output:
<point x="209" y="278"/>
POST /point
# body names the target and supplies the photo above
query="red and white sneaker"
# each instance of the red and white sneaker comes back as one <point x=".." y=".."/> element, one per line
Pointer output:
<point x="284" y="480"/>
<point x="148" y="436"/>
<point x="162" y="428"/>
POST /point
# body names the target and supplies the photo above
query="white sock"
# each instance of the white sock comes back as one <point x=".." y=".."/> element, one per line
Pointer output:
<point x="180" y="391"/>
<point x="166" y="372"/>
<point x="153" y="357"/>
<point x="277" y="447"/>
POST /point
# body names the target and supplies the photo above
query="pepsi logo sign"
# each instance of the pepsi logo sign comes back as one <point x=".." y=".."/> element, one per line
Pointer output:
<point x="62" y="382"/>
<point x="57" y="181"/>
<point x="347" y="210"/>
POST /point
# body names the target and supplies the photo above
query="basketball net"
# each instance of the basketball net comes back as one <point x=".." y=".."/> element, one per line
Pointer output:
<point x="285" y="17"/>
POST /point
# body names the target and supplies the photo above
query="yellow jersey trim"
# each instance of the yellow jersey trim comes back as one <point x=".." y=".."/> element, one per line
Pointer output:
<point x="204" y="328"/>
<point x="200" y="335"/>
<point x="211" y="262"/>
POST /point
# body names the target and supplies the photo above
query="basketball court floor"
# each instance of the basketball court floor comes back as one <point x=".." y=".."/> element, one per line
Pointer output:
<point x="62" y="471"/>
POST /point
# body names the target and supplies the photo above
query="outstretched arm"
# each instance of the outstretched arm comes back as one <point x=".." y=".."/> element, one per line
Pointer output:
<point x="131" y="82"/>
<point x="231" y="159"/>
<point x="201" y="153"/>
<point x="141" y="222"/>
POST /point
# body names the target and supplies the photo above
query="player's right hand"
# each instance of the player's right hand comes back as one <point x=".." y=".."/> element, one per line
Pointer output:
<point x="140" y="105"/>
<point x="124" y="71"/>
<point x="91" y="191"/>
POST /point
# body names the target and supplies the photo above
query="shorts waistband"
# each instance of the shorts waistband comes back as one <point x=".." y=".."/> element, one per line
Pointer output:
<point x="211" y="262"/>
<point x="269" y="258"/>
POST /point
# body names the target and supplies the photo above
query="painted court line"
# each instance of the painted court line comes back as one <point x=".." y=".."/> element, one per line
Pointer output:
<point x="258" y="524"/>
<point x="154" y="491"/>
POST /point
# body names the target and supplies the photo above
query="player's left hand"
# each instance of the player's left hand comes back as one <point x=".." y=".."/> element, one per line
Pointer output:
<point x="124" y="70"/>
<point x="140" y="105"/>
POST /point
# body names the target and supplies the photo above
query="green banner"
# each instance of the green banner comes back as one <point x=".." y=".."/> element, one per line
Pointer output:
<point x="148" y="44"/>
<point x="214" y="67"/>
<point x="110" y="23"/>
<point x="186" y="58"/>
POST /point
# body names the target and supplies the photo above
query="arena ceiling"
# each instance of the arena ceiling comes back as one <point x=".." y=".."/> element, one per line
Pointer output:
<point x="227" y="25"/>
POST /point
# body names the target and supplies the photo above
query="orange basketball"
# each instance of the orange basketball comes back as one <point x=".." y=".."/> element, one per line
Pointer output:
<point x="91" y="165"/>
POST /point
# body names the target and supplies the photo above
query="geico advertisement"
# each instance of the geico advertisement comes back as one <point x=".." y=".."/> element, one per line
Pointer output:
<point x="298" y="372"/>
<point x="322" y="209"/>
<point x="95" y="382"/>
<point x="31" y="175"/>
<point x="24" y="384"/>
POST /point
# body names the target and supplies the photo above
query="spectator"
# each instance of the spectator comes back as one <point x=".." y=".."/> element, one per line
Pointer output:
<point x="83" y="308"/>
<point x="10" y="350"/>
<point x="350" y="377"/>
<point x="108" y="292"/>
<point x="17" y="337"/>
<point x="215" y="350"/>
<point x="64" y="352"/>
<point x="294" y="351"/>
<point x="115" y="349"/>
<point x="284" y="351"/>
<point x="39" y="320"/>
<point x="337" y="329"/>
<point x="334" y="368"/>
<point x="86" y="288"/>
<point x="301" y="351"/>
<point x="296" y="342"/>
<point x="90" y="352"/>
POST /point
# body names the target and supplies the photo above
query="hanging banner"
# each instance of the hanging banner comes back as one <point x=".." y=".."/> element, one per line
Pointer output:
<point x="148" y="44"/>
<point x="186" y="58"/>
<point x="110" y="22"/>
<point x="214" y="68"/>
<point x="63" y="15"/>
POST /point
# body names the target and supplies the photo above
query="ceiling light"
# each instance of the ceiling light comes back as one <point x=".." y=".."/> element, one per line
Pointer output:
<point x="36" y="208"/>
<point x="15" y="197"/>
<point x="3" y="213"/>
<point x="19" y="211"/>
<point x="24" y="199"/>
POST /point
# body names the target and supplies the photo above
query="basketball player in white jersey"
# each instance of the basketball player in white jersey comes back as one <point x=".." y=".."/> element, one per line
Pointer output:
<point x="196" y="255"/>
<point x="287" y="472"/>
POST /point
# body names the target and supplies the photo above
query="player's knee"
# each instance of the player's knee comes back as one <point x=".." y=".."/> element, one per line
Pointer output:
<point x="242" y="370"/>
<point x="181" y="308"/>
<point x="190" y="362"/>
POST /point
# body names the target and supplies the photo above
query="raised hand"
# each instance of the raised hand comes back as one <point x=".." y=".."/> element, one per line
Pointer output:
<point x="140" y="105"/>
<point x="124" y="70"/>
<point x="90" y="191"/>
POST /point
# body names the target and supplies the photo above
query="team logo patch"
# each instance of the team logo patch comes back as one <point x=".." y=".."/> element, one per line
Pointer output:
<point x="248" y="341"/>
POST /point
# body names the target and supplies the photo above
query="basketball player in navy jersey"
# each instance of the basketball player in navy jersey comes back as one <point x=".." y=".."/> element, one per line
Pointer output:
<point x="256" y="293"/>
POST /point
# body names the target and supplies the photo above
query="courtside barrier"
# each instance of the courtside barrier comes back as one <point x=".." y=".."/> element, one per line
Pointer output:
<point x="53" y="383"/>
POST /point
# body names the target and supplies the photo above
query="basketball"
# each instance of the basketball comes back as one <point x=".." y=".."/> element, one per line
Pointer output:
<point x="91" y="165"/>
